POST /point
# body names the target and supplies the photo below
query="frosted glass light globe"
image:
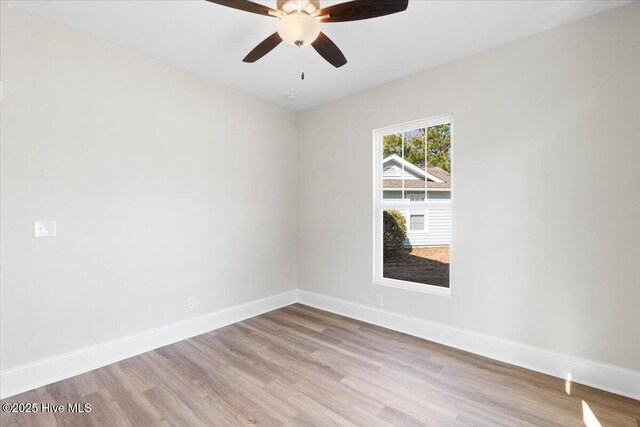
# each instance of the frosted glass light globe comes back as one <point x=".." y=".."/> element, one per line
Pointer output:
<point x="298" y="29"/>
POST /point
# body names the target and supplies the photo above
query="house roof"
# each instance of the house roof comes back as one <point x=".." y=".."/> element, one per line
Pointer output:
<point x="438" y="178"/>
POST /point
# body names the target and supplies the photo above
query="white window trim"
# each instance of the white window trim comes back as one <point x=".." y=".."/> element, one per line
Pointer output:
<point x="379" y="206"/>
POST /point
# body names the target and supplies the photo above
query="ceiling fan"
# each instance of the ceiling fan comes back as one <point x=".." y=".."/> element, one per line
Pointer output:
<point x="300" y="21"/>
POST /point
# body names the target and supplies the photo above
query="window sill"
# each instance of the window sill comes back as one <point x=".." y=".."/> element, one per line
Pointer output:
<point x="417" y="287"/>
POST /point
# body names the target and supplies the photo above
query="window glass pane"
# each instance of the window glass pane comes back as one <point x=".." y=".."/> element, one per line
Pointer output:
<point x="392" y="167"/>
<point x="413" y="156"/>
<point x="416" y="245"/>
<point x="439" y="162"/>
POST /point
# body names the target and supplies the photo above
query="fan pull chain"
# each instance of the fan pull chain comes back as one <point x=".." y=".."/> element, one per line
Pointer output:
<point x="300" y="63"/>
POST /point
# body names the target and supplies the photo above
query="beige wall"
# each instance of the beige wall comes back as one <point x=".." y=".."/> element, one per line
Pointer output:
<point x="163" y="185"/>
<point x="546" y="233"/>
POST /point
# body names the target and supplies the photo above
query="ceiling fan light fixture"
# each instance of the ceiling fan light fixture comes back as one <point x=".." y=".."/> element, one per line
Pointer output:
<point x="298" y="29"/>
<point x="300" y="20"/>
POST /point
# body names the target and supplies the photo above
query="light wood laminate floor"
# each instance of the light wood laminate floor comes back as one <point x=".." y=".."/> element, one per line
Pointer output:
<point x="300" y="366"/>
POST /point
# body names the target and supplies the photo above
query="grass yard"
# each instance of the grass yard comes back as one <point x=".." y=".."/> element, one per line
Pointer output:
<point x="421" y="265"/>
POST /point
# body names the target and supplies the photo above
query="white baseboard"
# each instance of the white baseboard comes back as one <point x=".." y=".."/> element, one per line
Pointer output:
<point x="606" y="377"/>
<point x="31" y="375"/>
<point x="611" y="378"/>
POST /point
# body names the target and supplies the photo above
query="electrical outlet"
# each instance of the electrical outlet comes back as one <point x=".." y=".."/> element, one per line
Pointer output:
<point x="191" y="301"/>
<point x="379" y="300"/>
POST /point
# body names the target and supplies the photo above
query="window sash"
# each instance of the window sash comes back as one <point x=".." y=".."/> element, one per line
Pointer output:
<point x="378" y="134"/>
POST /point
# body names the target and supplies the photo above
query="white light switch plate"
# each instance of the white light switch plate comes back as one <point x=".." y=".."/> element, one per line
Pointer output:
<point x="44" y="228"/>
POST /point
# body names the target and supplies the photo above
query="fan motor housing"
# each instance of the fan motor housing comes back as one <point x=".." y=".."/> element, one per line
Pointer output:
<point x="308" y="6"/>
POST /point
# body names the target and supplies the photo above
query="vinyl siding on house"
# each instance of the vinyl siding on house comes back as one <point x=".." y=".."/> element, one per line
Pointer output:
<point x="393" y="170"/>
<point x="437" y="228"/>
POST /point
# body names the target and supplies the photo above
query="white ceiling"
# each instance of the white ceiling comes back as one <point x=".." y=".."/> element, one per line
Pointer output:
<point x="211" y="40"/>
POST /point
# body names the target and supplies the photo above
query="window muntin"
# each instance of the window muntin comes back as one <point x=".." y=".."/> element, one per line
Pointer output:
<point x="413" y="185"/>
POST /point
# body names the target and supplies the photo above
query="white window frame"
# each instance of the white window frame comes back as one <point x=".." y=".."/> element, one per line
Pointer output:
<point x="379" y="205"/>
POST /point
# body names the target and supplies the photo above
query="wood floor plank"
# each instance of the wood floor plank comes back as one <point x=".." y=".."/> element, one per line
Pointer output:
<point x="399" y="418"/>
<point x="104" y="411"/>
<point x="300" y="366"/>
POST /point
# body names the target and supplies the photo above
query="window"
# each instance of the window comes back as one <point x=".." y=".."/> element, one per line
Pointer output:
<point x="416" y="222"/>
<point x="413" y="170"/>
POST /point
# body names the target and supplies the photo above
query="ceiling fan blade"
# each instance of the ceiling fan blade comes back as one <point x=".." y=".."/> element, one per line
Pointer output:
<point x="361" y="9"/>
<point x="266" y="46"/>
<point x="247" y="6"/>
<point x="329" y="51"/>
